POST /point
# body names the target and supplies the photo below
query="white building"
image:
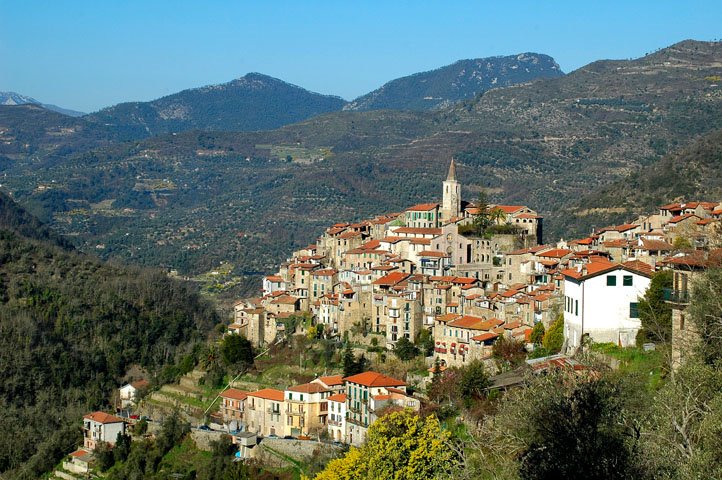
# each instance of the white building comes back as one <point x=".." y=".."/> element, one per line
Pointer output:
<point x="336" y="421"/>
<point x="601" y="300"/>
<point x="129" y="392"/>
<point x="101" y="427"/>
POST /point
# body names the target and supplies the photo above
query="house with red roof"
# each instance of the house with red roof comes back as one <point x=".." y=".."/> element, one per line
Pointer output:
<point x="306" y="409"/>
<point x="101" y="427"/>
<point x="423" y="215"/>
<point x="602" y="301"/>
<point x="233" y="406"/>
<point x="265" y="412"/>
<point x="368" y="395"/>
<point x="336" y="420"/>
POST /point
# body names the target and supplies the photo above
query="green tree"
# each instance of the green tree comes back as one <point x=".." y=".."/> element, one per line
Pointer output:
<point x="400" y="445"/>
<point x="404" y="349"/>
<point x="122" y="448"/>
<point x="236" y="350"/>
<point x="473" y="380"/>
<point x="537" y="333"/>
<point x="104" y="456"/>
<point x="554" y="337"/>
<point x="482" y="219"/>
<point x="705" y="310"/>
<point x="654" y="313"/>
<point x="425" y="342"/>
<point x="578" y="435"/>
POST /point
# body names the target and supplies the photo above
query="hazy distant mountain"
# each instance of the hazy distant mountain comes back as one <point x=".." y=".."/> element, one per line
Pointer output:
<point x="252" y="102"/>
<point x="12" y="98"/>
<point x="458" y="81"/>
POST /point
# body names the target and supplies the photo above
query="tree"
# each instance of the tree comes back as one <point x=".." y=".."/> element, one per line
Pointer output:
<point x="473" y="381"/>
<point x="654" y="313"/>
<point x="404" y="349"/>
<point x="104" y="456"/>
<point x="482" y="219"/>
<point x="554" y="337"/>
<point x="400" y="445"/>
<point x="425" y="342"/>
<point x="236" y="350"/>
<point x="537" y="333"/>
<point x="705" y="310"/>
<point x="508" y="353"/>
<point x="352" y="365"/>
<point x="578" y="435"/>
<point x="122" y="448"/>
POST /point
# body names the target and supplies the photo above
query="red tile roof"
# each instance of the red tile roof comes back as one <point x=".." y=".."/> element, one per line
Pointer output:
<point x="332" y="380"/>
<point x="235" y="394"/>
<point x="374" y="379"/>
<point x="433" y="253"/>
<point x="102" y="417"/>
<point x="308" y="388"/>
<point x="423" y="207"/>
<point x="508" y="208"/>
<point x="339" y="397"/>
<point x="268" y="394"/>
<point x="555" y="253"/>
<point x="485" y="336"/>
<point x="391" y="279"/>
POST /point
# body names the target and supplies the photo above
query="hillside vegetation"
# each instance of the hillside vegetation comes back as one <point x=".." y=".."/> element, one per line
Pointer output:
<point x="70" y="328"/>
<point x="459" y="81"/>
<point x="252" y="102"/>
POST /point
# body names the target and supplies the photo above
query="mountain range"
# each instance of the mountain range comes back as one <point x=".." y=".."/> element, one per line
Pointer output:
<point x="12" y="98"/>
<point x="459" y="81"/>
<point x="567" y="146"/>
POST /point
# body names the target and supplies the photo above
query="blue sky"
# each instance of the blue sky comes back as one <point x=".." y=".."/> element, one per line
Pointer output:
<point x="89" y="54"/>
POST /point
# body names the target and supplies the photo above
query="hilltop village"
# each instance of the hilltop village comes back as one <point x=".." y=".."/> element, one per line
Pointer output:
<point x="468" y="274"/>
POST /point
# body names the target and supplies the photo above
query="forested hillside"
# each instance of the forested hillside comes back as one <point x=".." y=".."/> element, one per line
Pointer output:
<point x="70" y="327"/>
<point x="459" y="81"/>
<point x="252" y="102"/>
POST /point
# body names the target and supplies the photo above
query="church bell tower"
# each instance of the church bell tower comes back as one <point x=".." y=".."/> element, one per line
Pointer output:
<point x="451" y="205"/>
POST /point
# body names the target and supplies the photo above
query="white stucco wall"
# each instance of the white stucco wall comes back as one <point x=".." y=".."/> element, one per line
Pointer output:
<point x="603" y="311"/>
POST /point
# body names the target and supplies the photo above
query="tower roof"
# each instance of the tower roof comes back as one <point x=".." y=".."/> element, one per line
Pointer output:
<point x="452" y="172"/>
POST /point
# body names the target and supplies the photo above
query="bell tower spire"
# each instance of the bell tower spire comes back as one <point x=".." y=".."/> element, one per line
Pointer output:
<point x="451" y="177"/>
<point x="451" y="204"/>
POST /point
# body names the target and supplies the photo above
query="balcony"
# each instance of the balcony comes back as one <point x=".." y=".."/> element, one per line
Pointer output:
<point x="676" y="296"/>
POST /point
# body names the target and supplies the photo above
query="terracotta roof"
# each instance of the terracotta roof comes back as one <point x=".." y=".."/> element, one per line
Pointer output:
<point x="679" y="218"/>
<point x="468" y="321"/>
<point x="102" y="417"/>
<point x="639" y="266"/>
<point x="508" y="208"/>
<point x="485" y="336"/>
<point x="423" y="207"/>
<point x="374" y="379"/>
<point x="79" y="453"/>
<point x="391" y="279"/>
<point x="235" y="394"/>
<point x="555" y="253"/>
<point x="275" y="278"/>
<point x="527" y="215"/>
<point x="433" y="253"/>
<point x="285" y="300"/>
<point x="446" y="317"/>
<point x="339" y="397"/>
<point x="332" y="380"/>
<point x="464" y="280"/>
<point x="142" y="383"/>
<point x="268" y="394"/>
<point x="308" y="388"/>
